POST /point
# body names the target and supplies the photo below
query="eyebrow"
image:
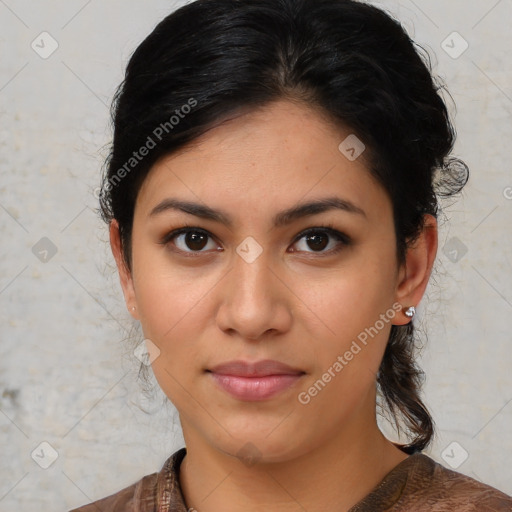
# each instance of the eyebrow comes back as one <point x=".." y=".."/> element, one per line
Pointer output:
<point x="282" y="218"/>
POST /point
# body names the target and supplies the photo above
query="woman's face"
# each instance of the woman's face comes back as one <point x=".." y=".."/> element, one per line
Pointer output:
<point x="258" y="289"/>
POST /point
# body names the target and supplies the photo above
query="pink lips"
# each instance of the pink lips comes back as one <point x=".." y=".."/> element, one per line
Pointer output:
<point x="255" y="381"/>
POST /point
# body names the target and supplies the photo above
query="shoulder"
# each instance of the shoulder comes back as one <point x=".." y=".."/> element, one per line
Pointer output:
<point x="152" y="492"/>
<point x="126" y="500"/>
<point x="434" y="487"/>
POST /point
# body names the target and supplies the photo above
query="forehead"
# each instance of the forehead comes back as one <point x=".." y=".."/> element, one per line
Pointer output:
<point x="261" y="161"/>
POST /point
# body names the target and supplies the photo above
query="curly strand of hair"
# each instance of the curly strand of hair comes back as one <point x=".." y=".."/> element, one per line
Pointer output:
<point x="400" y="380"/>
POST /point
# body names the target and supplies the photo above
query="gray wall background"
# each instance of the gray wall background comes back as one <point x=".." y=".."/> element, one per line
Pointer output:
<point x="68" y="377"/>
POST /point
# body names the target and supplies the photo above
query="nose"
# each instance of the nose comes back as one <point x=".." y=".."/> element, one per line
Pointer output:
<point x="254" y="300"/>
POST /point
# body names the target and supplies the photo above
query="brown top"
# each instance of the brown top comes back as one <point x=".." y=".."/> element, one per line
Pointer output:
<point x="417" y="484"/>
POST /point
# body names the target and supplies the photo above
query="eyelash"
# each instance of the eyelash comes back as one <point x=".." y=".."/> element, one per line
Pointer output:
<point x="328" y="229"/>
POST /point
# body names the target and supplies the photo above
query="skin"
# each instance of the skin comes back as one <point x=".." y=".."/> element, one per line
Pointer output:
<point x="296" y="303"/>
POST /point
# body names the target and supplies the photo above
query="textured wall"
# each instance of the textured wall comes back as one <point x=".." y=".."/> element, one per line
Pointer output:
<point x="67" y="375"/>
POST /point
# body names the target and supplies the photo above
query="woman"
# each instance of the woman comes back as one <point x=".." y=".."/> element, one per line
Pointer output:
<point x="272" y="194"/>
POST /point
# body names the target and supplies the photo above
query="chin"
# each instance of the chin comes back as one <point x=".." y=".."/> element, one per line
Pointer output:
<point x="256" y="447"/>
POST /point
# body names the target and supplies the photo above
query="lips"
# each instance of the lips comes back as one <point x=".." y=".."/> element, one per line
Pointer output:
<point x="255" y="381"/>
<point x="258" y="369"/>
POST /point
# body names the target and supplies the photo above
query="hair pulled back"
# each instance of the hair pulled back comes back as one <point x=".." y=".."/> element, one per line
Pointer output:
<point x="213" y="59"/>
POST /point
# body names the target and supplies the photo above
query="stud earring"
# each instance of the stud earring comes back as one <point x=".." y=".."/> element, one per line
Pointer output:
<point x="410" y="311"/>
<point x="133" y="308"/>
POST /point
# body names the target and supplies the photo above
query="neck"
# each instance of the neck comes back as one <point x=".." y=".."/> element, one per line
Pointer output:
<point x="333" y="476"/>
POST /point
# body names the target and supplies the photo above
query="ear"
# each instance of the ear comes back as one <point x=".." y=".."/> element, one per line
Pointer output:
<point x="415" y="272"/>
<point x="125" y="276"/>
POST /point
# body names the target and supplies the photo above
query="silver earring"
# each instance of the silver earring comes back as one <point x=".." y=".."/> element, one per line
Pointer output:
<point x="410" y="311"/>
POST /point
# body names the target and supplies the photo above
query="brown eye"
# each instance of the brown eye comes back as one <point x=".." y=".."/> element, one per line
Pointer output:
<point x="188" y="240"/>
<point x="318" y="242"/>
<point x="317" y="239"/>
<point x="195" y="241"/>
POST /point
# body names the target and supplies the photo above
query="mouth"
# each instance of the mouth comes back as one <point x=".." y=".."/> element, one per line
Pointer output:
<point x="255" y="381"/>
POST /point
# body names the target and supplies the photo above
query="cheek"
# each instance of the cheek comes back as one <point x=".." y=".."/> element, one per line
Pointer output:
<point x="171" y="313"/>
<point x="352" y="319"/>
<point x="172" y="307"/>
<point x="171" y="316"/>
<point x="343" y="303"/>
<point x="167" y="294"/>
<point x="349" y="345"/>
